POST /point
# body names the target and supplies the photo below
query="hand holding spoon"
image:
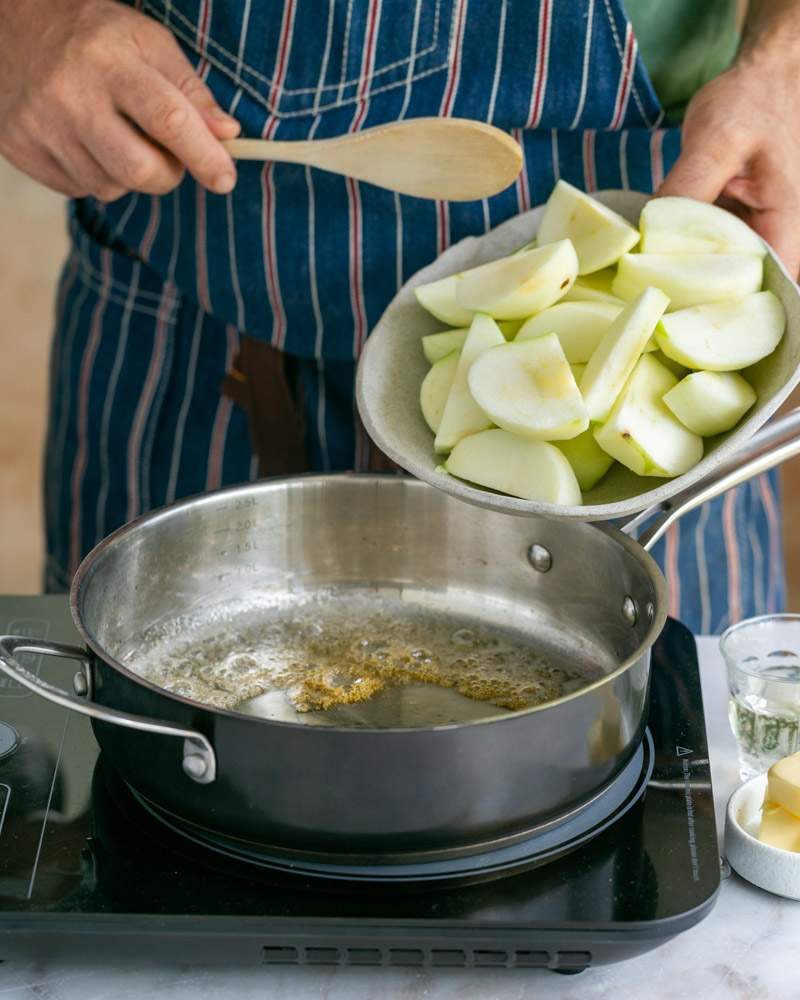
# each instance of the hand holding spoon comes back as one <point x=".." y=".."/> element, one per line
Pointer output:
<point x="452" y="159"/>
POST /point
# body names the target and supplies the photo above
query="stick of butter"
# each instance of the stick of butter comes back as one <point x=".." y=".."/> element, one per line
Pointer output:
<point x="780" y="814"/>
<point x="784" y="784"/>
<point x="779" y="828"/>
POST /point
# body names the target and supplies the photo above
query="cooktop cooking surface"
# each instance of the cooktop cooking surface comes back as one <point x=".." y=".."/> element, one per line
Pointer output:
<point x="85" y="866"/>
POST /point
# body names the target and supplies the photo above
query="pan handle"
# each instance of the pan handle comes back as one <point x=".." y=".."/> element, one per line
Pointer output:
<point x="769" y="447"/>
<point x="199" y="759"/>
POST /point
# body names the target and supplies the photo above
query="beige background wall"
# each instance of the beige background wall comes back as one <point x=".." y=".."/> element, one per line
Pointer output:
<point x="31" y="249"/>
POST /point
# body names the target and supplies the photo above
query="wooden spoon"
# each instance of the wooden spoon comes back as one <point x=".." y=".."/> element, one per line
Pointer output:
<point x="452" y="159"/>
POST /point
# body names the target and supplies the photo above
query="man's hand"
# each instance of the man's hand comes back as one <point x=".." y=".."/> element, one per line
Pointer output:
<point x="97" y="99"/>
<point x="741" y="134"/>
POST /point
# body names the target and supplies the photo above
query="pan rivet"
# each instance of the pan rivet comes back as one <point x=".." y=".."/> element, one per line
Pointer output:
<point x="194" y="765"/>
<point x="629" y="610"/>
<point x="80" y="685"/>
<point x="651" y="611"/>
<point x="539" y="557"/>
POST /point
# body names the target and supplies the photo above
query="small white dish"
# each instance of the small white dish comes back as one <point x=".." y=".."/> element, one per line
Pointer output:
<point x="768" y="867"/>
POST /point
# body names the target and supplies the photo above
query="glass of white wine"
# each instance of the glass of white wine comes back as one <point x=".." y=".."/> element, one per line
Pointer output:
<point x="762" y="656"/>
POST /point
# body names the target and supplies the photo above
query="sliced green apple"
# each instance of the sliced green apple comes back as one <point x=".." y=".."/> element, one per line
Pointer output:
<point x="689" y="279"/>
<point x="462" y="415"/>
<point x="531" y="470"/>
<point x="600" y="236"/>
<point x="723" y="336"/>
<point x="615" y="356"/>
<point x="436" y="388"/>
<point x="594" y="288"/>
<point x="528" y="389"/>
<point x="588" y="460"/>
<point x="642" y="433"/>
<point x="510" y="327"/>
<point x="436" y="346"/>
<point x="530" y="245"/>
<point x="439" y="299"/>
<point x="677" y="370"/>
<point x="683" y="225"/>
<point x="516" y="287"/>
<point x="710" y="402"/>
<point x="579" y="326"/>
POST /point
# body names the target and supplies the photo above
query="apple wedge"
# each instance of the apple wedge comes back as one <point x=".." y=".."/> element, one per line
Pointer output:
<point x="439" y="299"/>
<point x="588" y="460"/>
<point x="462" y="415"/>
<point x="683" y="225"/>
<point x="579" y="326"/>
<point x="577" y="372"/>
<point x="436" y="388"/>
<point x="436" y="346"/>
<point x="617" y="353"/>
<point x="531" y="470"/>
<point x="516" y="287"/>
<point x="594" y="288"/>
<point x="677" y="370"/>
<point x="528" y="389"/>
<point x="642" y="433"/>
<point x="600" y="236"/>
<point x="689" y="279"/>
<point x="723" y="336"/>
<point x="710" y="402"/>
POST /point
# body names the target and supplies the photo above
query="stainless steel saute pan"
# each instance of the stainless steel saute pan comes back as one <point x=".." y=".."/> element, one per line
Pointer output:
<point x="583" y="594"/>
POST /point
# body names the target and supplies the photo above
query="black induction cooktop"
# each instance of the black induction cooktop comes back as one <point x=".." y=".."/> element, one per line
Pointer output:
<point x="86" y="868"/>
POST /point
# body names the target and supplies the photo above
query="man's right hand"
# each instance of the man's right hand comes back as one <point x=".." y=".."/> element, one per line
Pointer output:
<point x="98" y="99"/>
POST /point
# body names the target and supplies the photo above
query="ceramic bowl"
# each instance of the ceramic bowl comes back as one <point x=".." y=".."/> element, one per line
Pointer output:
<point x="768" y="867"/>
<point x="392" y="368"/>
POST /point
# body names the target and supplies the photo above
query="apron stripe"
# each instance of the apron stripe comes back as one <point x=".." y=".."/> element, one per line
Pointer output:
<point x="702" y="569"/>
<point x="554" y="155"/>
<point x="322" y="428"/>
<point x="183" y="411"/>
<point x="216" y="449"/>
<point x="623" y="161"/>
<point x="353" y="190"/>
<point x="268" y="181"/>
<point x="672" y="541"/>
<point x="202" y="35"/>
<point x="148" y="240"/>
<point x="284" y="45"/>
<point x="200" y="249"/>
<point x="625" y="79"/>
<point x="732" y="554"/>
<point x="542" y="65"/>
<point x="144" y="405"/>
<point x="108" y="403"/>
<point x="657" y="157"/>
<point x="756" y="549"/>
<point x="774" y="527"/>
<point x="81" y="456"/>
<point x="589" y="168"/>
<point x="523" y="191"/>
<point x="445" y="109"/>
<point x="234" y="267"/>
<point x="587" y="49"/>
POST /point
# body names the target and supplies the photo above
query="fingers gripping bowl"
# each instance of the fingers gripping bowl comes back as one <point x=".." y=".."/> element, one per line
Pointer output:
<point x="393" y="367"/>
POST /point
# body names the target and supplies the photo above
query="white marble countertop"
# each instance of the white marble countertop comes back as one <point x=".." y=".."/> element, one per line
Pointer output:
<point x="748" y="948"/>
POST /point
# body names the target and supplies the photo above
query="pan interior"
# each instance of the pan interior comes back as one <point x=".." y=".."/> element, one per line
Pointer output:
<point x="378" y="657"/>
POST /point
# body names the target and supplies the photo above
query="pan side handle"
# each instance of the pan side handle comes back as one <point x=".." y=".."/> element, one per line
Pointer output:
<point x="774" y="444"/>
<point x="199" y="759"/>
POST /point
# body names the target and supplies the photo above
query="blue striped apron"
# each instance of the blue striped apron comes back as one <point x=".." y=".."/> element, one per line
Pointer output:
<point x="158" y="290"/>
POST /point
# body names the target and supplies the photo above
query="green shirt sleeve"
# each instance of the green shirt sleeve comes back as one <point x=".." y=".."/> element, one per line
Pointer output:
<point x="684" y="44"/>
